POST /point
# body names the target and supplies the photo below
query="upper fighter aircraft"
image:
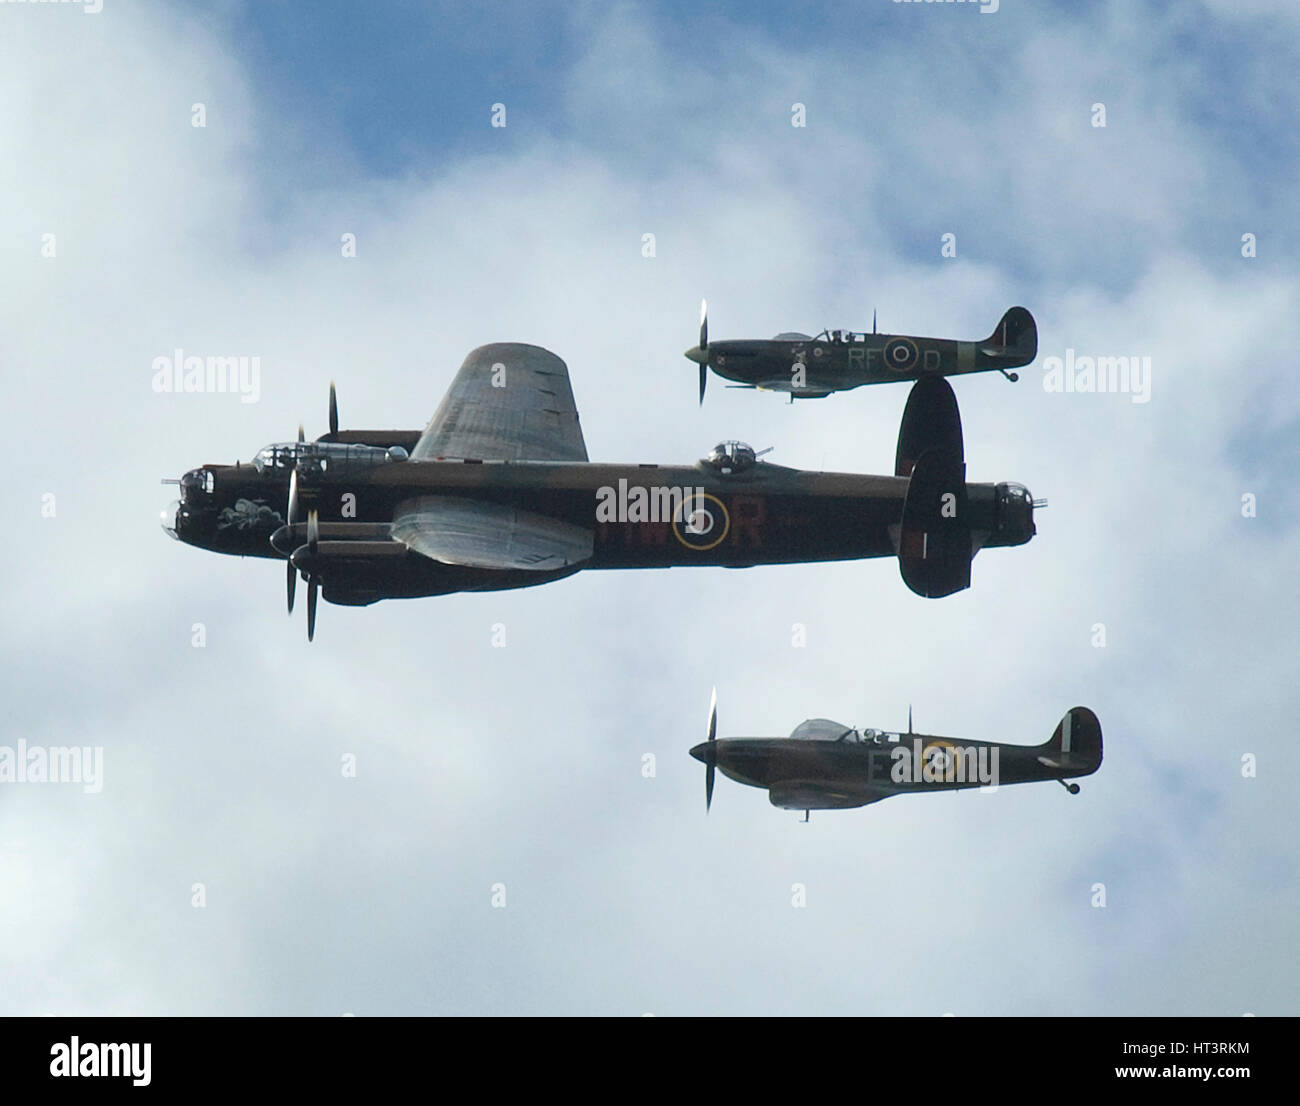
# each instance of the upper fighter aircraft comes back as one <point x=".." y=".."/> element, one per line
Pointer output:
<point x="497" y="492"/>
<point x="836" y="360"/>
<point x="825" y="765"/>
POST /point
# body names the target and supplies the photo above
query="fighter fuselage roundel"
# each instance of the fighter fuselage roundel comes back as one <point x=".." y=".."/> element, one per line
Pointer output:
<point x="497" y="492"/>
<point x="808" y="367"/>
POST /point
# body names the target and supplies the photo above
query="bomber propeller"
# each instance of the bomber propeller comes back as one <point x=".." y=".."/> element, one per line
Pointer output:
<point x="291" y="516"/>
<point x="304" y="553"/>
<point x="295" y="515"/>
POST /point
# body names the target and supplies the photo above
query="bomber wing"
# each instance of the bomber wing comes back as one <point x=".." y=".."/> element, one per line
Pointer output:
<point x="509" y="402"/>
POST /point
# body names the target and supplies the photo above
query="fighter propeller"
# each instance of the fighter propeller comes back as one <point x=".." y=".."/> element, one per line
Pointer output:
<point x="711" y="756"/>
<point x="700" y="354"/>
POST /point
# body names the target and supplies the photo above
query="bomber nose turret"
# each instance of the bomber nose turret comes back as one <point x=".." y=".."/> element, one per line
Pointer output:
<point x="170" y="519"/>
<point x="196" y="485"/>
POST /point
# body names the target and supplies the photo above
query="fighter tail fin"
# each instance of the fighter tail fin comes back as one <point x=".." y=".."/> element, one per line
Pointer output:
<point x="1075" y="747"/>
<point x="1016" y="333"/>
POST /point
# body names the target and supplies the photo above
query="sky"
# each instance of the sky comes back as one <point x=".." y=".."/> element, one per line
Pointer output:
<point x="501" y="849"/>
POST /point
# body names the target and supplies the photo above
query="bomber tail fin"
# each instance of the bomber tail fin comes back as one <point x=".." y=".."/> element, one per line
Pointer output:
<point x="931" y="420"/>
<point x="934" y="539"/>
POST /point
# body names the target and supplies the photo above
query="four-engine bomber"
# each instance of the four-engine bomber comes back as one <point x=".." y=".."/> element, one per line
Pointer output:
<point x="497" y="492"/>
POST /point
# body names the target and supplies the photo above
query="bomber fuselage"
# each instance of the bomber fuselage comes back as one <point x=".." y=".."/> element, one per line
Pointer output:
<point x="765" y="514"/>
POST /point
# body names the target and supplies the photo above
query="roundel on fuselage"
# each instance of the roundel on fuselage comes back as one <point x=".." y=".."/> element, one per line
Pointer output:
<point x="901" y="355"/>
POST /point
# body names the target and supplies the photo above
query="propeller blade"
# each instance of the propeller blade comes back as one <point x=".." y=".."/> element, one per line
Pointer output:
<point x="293" y="498"/>
<point x="710" y="765"/>
<point x="701" y="354"/>
<point x="909" y="718"/>
<point x="334" y="410"/>
<point x="301" y="436"/>
<point x="311" y="607"/>
<point x="290" y="583"/>
<point x="313" y="531"/>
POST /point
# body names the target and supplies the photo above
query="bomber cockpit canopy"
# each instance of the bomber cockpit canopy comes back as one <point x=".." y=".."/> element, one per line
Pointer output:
<point x="283" y="456"/>
<point x="279" y="455"/>
<point x="729" y="457"/>
<point x="823" y="729"/>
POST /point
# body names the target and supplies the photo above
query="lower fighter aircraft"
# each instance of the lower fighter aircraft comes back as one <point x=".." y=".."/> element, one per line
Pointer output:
<point x="809" y="367"/>
<point x="825" y="765"/>
<point x="497" y="493"/>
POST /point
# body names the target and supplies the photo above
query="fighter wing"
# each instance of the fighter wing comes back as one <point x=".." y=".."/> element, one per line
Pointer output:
<point x="480" y="534"/>
<point x="509" y="402"/>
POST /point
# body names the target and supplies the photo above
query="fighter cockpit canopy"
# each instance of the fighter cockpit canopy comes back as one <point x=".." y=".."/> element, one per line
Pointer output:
<point x="823" y="729"/>
<point x="729" y="457"/>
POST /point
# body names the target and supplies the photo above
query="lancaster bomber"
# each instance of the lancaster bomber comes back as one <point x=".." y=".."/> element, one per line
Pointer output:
<point x="808" y="367"/>
<point x="825" y="765"/>
<point x="497" y="492"/>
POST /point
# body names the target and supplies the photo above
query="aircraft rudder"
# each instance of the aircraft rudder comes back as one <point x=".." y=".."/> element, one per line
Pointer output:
<point x="1017" y="332"/>
<point x="1077" y="739"/>
<point x="931" y="421"/>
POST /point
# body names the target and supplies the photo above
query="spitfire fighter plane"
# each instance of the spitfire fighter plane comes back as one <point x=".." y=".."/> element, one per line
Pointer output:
<point x="825" y="765"/>
<point x="497" y="492"/>
<point x="808" y="367"/>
